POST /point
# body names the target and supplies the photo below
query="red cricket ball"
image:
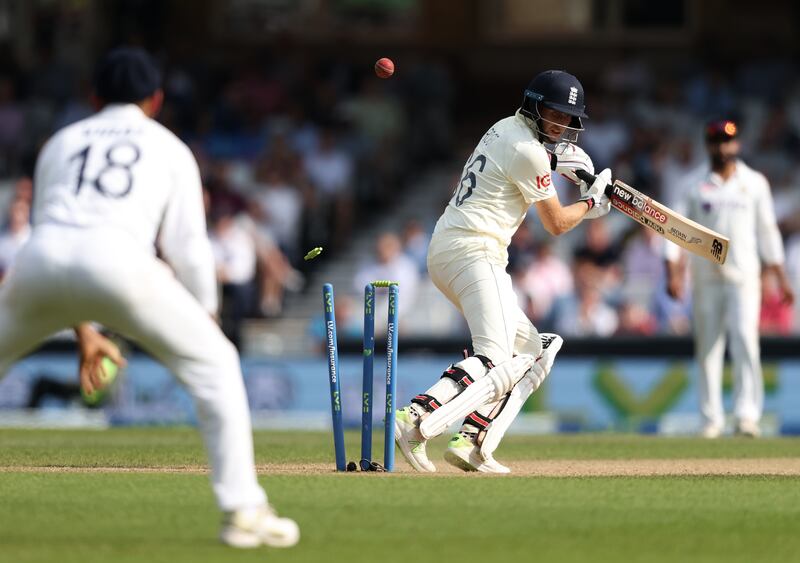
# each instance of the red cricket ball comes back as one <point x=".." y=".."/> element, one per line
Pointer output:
<point x="384" y="68"/>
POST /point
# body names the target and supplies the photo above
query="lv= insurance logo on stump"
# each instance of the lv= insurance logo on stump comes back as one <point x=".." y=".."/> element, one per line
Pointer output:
<point x="366" y="463"/>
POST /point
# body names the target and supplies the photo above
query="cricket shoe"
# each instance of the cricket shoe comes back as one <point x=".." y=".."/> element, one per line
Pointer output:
<point x="711" y="431"/>
<point x="255" y="527"/>
<point x="410" y="441"/>
<point x="464" y="454"/>
<point x="748" y="428"/>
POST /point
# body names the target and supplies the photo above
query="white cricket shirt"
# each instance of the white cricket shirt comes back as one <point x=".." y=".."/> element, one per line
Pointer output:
<point x="119" y="170"/>
<point x="742" y="210"/>
<point x="507" y="172"/>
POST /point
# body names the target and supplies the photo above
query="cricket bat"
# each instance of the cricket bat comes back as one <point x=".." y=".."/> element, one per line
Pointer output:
<point x="673" y="226"/>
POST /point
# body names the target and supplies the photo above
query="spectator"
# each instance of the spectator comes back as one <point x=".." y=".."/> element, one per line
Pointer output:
<point x="348" y="323"/>
<point x="330" y="170"/>
<point x="12" y="123"/>
<point x="375" y="115"/>
<point x="776" y="314"/>
<point x="793" y="269"/>
<point x="636" y="320"/>
<point x="586" y="314"/>
<point x="235" y="256"/>
<point x="15" y="234"/>
<point x="643" y="266"/>
<point x="600" y="255"/>
<point x="547" y="280"/>
<point x="279" y="205"/>
<point x="522" y="249"/>
<point x="415" y="244"/>
<point x="675" y="166"/>
<point x="673" y="316"/>
<point x="606" y="138"/>
<point x="23" y="190"/>
<point x="390" y="263"/>
<point x="276" y="275"/>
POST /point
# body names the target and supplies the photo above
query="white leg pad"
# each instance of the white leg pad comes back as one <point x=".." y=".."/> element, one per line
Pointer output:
<point x="533" y="378"/>
<point x="499" y="381"/>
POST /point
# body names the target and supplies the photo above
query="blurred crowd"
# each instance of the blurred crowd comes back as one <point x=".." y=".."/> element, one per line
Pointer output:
<point x="293" y="154"/>
<point x="297" y="153"/>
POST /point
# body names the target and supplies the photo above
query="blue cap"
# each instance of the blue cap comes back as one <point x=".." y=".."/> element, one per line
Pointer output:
<point x="721" y="130"/>
<point x="126" y="75"/>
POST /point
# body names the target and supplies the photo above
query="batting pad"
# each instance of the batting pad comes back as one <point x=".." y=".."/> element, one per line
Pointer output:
<point x="551" y="344"/>
<point x="499" y="381"/>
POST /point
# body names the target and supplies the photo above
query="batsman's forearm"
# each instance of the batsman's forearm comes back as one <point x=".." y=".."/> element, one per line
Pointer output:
<point x="566" y="218"/>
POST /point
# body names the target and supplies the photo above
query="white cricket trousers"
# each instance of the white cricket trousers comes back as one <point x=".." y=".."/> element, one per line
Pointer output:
<point x="481" y="289"/>
<point x="65" y="276"/>
<point x="735" y="309"/>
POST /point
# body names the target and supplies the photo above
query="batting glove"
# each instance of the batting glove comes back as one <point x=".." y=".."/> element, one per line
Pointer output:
<point x="570" y="158"/>
<point x="595" y="195"/>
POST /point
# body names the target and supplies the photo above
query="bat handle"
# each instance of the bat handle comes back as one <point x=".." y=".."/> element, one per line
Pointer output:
<point x="590" y="179"/>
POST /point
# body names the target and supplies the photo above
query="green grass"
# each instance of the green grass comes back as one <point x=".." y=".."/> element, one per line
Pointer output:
<point x="148" y="447"/>
<point x="126" y="517"/>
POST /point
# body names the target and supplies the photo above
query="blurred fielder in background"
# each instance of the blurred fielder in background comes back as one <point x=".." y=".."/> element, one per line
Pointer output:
<point x="734" y="200"/>
<point x="107" y="190"/>
<point x="507" y="172"/>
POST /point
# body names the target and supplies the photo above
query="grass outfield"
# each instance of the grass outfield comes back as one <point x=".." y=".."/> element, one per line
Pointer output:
<point x="60" y="504"/>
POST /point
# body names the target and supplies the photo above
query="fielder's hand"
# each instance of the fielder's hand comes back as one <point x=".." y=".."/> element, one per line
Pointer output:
<point x="595" y="195"/>
<point x="570" y="158"/>
<point x="93" y="348"/>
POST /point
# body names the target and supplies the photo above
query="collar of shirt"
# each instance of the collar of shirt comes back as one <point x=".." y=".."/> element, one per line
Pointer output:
<point x="121" y="110"/>
<point x="530" y="123"/>
<point x="715" y="179"/>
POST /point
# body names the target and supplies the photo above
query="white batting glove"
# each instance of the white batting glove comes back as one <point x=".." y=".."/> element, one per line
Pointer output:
<point x="570" y="158"/>
<point x="595" y="195"/>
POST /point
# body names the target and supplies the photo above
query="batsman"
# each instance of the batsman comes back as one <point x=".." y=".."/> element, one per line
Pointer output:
<point x="508" y="172"/>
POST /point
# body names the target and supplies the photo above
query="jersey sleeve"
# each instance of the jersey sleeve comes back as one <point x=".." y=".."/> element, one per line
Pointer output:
<point x="769" y="236"/>
<point x="529" y="170"/>
<point x="183" y="238"/>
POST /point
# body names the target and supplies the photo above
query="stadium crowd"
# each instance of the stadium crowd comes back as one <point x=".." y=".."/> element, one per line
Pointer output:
<point x="300" y="153"/>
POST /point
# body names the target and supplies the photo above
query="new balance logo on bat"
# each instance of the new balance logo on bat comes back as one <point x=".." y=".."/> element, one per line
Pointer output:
<point x="639" y="203"/>
<point x="624" y="195"/>
<point x="686" y="233"/>
<point x="716" y="249"/>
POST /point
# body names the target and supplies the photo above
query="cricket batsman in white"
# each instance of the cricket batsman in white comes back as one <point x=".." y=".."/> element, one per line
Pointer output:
<point x="108" y="190"/>
<point x="734" y="200"/>
<point x="507" y="173"/>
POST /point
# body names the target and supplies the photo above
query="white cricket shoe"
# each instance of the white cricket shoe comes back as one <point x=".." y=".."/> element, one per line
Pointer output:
<point x="258" y="526"/>
<point x="410" y="441"/>
<point x="464" y="454"/>
<point x="748" y="428"/>
<point x="711" y="431"/>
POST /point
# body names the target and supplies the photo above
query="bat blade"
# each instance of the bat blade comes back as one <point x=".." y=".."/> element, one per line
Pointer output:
<point x="671" y="225"/>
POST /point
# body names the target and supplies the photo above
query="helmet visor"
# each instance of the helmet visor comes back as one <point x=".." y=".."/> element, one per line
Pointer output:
<point x="571" y="131"/>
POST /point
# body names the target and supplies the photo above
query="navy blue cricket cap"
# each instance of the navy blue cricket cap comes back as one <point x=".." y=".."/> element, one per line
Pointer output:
<point x="721" y="130"/>
<point x="126" y="75"/>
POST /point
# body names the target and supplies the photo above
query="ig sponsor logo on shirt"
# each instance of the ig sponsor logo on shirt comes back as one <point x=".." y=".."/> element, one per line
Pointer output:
<point x="543" y="182"/>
